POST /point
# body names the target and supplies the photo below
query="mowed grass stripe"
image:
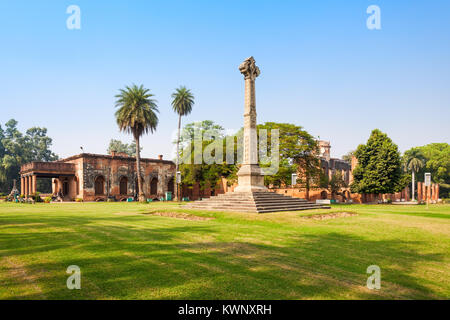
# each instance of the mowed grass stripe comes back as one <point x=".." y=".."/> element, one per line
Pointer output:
<point x="125" y="253"/>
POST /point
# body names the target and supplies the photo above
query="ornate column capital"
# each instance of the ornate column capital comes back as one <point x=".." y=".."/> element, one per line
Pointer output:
<point x="249" y="69"/>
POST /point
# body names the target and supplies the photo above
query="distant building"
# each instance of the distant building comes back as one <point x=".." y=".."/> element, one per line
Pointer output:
<point x="333" y="165"/>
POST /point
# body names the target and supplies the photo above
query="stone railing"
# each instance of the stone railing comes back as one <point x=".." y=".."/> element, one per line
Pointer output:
<point x="48" y="167"/>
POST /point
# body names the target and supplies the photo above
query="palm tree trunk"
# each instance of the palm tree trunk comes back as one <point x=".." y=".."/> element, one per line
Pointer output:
<point x="413" y="185"/>
<point x="177" y="187"/>
<point x="138" y="170"/>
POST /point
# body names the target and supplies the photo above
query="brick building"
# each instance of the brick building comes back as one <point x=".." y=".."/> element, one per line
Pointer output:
<point x="94" y="177"/>
<point x="332" y="165"/>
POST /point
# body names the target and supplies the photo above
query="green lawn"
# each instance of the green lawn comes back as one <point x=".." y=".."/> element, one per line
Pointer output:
<point x="126" y="253"/>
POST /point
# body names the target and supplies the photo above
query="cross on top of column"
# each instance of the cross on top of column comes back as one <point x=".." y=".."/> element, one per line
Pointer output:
<point x="249" y="69"/>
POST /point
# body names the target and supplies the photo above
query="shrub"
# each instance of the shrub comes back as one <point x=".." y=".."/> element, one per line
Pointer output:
<point x="78" y="200"/>
<point x="36" y="197"/>
<point x="48" y="199"/>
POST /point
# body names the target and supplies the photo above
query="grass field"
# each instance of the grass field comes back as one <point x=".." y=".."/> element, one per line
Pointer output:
<point x="126" y="253"/>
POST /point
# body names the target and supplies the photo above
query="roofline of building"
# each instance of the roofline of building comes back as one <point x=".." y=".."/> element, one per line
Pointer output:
<point x="116" y="157"/>
<point x="321" y="157"/>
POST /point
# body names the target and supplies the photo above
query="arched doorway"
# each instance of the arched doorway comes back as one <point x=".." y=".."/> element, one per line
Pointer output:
<point x="123" y="185"/>
<point x="100" y="185"/>
<point x="170" y="185"/>
<point x="324" y="195"/>
<point x="154" y="186"/>
<point x="65" y="188"/>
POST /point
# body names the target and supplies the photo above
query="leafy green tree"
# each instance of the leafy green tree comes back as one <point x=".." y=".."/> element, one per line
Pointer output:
<point x="182" y="103"/>
<point x="204" y="133"/>
<point x="284" y="175"/>
<point x="336" y="183"/>
<point x="437" y="162"/>
<point x="137" y="115"/>
<point x="413" y="162"/>
<point x="17" y="149"/>
<point x="119" y="146"/>
<point x="379" y="166"/>
<point x="298" y="146"/>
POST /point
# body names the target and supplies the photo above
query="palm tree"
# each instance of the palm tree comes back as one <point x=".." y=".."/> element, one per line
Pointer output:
<point x="136" y="115"/>
<point x="182" y="103"/>
<point x="414" y="161"/>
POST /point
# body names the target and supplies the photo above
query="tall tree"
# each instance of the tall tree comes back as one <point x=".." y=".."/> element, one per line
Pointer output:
<point x="137" y="114"/>
<point x="298" y="146"/>
<point x="413" y="161"/>
<point x="182" y="103"/>
<point x="379" y="166"/>
<point x="209" y="137"/>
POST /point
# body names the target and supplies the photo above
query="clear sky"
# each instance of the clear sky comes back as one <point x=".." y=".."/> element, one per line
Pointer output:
<point x="321" y="67"/>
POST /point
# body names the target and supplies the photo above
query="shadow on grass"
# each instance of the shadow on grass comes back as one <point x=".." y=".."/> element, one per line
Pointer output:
<point x="131" y="261"/>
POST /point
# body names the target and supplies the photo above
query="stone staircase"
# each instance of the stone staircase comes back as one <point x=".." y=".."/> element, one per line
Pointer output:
<point x="256" y="202"/>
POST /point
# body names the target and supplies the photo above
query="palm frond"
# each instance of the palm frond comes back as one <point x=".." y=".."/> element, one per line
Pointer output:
<point x="183" y="101"/>
<point x="137" y="110"/>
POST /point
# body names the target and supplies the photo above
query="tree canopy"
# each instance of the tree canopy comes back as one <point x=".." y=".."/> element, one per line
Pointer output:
<point x="437" y="161"/>
<point x="119" y="146"/>
<point x="17" y="149"/>
<point x="379" y="166"/>
<point x="211" y="136"/>
<point x="298" y="153"/>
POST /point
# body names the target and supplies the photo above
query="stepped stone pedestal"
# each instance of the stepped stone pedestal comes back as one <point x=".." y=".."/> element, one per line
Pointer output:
<point x="255" y="202"/>
<point x="251" y="195"/>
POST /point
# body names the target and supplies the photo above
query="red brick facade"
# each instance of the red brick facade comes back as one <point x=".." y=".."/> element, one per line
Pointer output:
<point x="94" y="177"/>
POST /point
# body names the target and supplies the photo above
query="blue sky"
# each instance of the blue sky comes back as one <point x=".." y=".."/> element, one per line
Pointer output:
<point x="321" y="67"/>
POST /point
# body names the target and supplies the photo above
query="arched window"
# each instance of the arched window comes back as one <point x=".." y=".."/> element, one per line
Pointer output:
<point x="154" y="186"/>
<point x="100" y="186"/>
<point x="123" y="185"/>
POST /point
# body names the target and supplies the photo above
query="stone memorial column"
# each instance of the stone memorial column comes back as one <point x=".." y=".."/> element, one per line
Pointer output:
<point x="250" y="178"/>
